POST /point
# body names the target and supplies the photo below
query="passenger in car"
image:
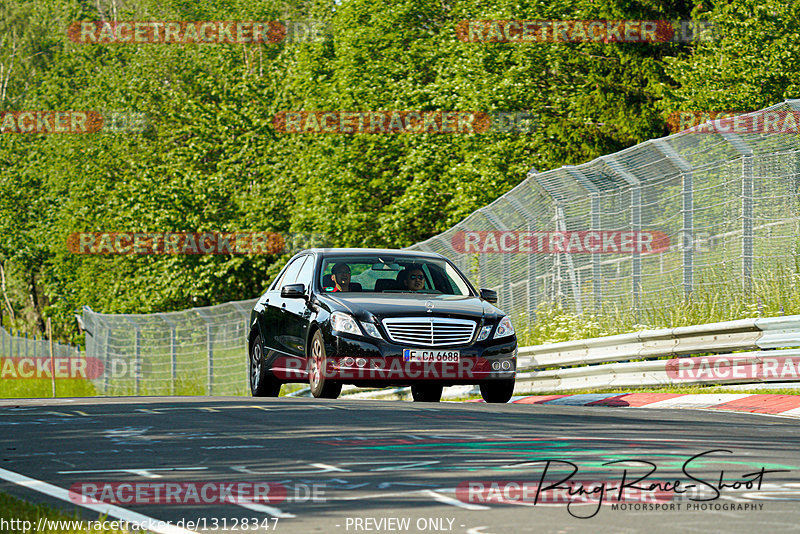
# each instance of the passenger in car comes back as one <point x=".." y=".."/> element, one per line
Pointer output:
<point x="413" y="279"/>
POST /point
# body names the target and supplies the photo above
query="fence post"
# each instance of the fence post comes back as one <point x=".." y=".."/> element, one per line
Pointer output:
<point x="687" y="231"/>
<point x="210" y="342"/>
<point x="137" y="366"/>
<point x="597" y="272"/>
<point x="744" y="149"/>
<point x="173" y="354"/>
<point x="52" y="356"/>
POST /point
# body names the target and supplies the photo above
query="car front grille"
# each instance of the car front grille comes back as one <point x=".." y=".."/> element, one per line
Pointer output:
<point x="430" y="331"/>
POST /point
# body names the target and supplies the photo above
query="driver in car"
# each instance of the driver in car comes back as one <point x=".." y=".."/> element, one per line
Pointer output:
<point x="414" y="279"/>
<point x="340" y="274"/>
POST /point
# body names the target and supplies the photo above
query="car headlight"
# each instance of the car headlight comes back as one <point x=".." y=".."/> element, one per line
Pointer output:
<point x="504" y="328"/>
<point x="370" y="329"/>
<point x="484" y="333"/>
<point x="342" y="322"/>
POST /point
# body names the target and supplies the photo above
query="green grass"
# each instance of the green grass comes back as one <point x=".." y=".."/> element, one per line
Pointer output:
<point x="42" y="387"/>
<point x="20" y="511"/>
<point x="774" y="293"/>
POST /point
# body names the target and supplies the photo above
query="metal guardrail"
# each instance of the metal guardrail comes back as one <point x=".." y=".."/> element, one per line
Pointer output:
<point x="716" y="337"/>
<point x="744" y="351"/>
<point x="610" y="361"/>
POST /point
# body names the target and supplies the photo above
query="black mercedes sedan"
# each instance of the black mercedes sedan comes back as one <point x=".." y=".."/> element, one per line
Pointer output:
<point x="376" y="318"/>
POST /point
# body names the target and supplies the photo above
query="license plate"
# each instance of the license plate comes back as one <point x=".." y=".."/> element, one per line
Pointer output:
<point x="416" y="355"/>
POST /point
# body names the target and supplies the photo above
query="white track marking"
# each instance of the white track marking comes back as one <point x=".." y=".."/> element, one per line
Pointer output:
<point x="146" y="473"/>
<point x="696" y="401"/>
<point x="151" y="524"/>
<point x="444" y="499"/>
<point x="264" y="509"/>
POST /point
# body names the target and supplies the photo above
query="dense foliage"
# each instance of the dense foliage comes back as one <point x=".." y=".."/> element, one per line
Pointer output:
<point x="212" y="160"/>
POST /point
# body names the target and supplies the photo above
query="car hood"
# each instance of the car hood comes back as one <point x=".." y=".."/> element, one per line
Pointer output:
<point x="380" y="306"/>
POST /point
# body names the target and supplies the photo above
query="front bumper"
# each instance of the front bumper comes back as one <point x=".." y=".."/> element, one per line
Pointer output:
<point x="373" y="362"/>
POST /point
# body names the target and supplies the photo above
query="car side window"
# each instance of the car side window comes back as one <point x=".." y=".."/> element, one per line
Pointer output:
<point x="306" y="275"/>
<point x="289" y="274"/>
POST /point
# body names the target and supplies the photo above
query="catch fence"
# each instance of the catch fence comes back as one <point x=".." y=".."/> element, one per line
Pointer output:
<point x="200" y="351"/>
<point x="713" y="209"/>
<point x="639" y="230"/>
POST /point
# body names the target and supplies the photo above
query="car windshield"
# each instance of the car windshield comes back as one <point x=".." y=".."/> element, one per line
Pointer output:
<point x="391" y="274"/>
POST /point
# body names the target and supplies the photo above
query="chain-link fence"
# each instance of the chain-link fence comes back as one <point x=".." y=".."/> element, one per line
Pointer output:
<point x="201" y="351"/>
<point x="22" y="346"/>
<point x="710" y="209"/>
<point x="638" y="230"/>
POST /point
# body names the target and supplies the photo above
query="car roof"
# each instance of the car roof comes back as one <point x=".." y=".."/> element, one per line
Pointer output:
<point x="363" y="251"/>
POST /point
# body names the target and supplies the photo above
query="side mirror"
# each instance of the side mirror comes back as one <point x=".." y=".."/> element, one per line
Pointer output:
<point x="293" y="291"/>
<point x="489" y="295"/>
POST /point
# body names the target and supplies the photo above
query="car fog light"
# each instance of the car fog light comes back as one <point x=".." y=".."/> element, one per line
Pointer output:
<point x="361" y="362"/>
<point x="348" y="362"/>
<point x="496" y="366"/>
<point x="506" y="365"/>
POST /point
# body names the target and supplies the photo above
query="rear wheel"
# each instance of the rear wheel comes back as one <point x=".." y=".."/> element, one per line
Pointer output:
<point x="262" y="384"/>
<point x="497" y="391"/>
<point x="426" y="392"/>
<point x="321" y="388"/>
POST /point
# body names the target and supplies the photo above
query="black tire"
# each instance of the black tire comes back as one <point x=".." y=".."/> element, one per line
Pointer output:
<point x="321" y="388"/>
<point x="426" y="392"/>
<point x="497" y="391"/>
<point x="262" y="383"/>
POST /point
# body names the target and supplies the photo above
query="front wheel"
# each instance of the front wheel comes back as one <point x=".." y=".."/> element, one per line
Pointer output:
<point x="262" y="384"/>
<point x="321" y="388"/>
<point x="497" y="391"/>
<point x="426" y="392"/>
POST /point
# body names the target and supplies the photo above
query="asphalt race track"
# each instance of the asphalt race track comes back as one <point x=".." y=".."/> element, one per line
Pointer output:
<point x="380" y="466"/>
